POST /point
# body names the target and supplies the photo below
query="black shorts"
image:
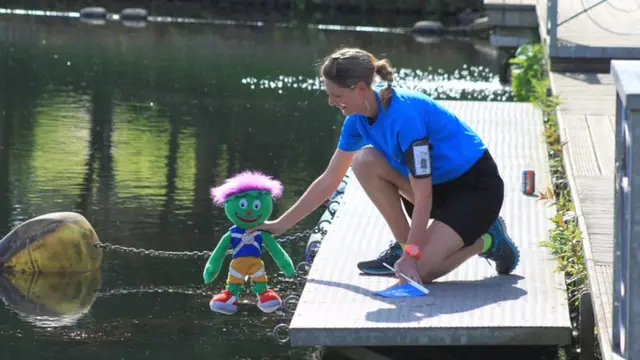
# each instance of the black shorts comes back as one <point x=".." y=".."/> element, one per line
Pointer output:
<point x="470" y="203"/>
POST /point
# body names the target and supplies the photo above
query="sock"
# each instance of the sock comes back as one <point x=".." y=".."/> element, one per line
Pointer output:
<point x="487" y="242"/>
<point x="259" y="287"/>
<point x="234" y="289"/>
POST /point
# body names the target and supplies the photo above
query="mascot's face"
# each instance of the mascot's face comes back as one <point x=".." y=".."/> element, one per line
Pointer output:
<point x="249" y="209"/>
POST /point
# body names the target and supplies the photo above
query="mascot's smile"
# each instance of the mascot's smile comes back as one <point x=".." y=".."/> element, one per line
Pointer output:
<point x="246" y="219"/>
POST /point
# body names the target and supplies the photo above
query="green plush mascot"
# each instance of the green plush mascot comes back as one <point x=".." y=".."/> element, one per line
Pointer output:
<point x="248" y="201"/>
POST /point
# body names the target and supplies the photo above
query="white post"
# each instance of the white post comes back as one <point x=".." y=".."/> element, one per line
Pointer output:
<point x="625" y="341"/>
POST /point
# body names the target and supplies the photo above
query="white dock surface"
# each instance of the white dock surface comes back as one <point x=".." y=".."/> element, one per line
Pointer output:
<point x="472" y="305"/>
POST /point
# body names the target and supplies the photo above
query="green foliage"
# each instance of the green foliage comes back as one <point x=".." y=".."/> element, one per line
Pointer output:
<point x="527" y="71"/>
<point x="565" y="240"/>
<point x="530" y="82"/>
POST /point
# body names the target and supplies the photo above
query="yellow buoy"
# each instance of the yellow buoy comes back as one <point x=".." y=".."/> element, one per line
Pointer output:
<point x="59" y="242"/>
<point x="50" y="299"/>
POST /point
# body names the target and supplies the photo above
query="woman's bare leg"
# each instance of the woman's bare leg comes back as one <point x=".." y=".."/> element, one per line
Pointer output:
<point x="444" y="252"/>
<point x="384" y="185"/>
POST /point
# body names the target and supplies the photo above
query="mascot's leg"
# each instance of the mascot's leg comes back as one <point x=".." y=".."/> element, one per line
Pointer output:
<point x="268" y="299"/>
<point x="226" y="302"/>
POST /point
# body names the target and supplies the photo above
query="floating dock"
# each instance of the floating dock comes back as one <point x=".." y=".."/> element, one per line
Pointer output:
<point x="338" y="306"/>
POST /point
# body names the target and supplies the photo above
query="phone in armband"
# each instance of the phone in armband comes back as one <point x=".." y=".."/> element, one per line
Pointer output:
<point x="419" y="159"/>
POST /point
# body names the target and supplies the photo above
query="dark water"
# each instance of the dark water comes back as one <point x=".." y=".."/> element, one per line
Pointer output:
<point x="131" y="127"/>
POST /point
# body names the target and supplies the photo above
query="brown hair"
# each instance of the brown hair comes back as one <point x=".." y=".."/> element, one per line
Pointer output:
<point x="346" y="67"/>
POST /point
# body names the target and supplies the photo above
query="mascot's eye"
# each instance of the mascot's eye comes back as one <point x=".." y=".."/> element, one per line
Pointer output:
<point x="256" y="205"/>
<point x="243" y="203"/>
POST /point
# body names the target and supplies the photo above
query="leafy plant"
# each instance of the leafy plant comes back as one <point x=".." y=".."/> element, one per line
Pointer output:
<point x="527" y="70"/>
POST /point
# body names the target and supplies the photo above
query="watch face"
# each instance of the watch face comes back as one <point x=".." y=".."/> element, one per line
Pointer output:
<point x="412" y="250"/>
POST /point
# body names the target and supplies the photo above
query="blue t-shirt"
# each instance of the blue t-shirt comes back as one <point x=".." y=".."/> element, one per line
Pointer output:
<point x="411" y="116"/>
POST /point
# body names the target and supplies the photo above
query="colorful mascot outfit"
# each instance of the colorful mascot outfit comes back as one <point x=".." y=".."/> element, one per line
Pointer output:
<point x="247" y="200"/>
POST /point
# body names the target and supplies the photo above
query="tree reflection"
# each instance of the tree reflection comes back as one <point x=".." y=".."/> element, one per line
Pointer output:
<point x="99" y="155"/>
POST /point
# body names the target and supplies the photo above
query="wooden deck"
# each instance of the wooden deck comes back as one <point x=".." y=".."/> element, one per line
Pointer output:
<point x="589" y="41"/>
<point x="587" y="123"/>
<point x="470" y="306"/>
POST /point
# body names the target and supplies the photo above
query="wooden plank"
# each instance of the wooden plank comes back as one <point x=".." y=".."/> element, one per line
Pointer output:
<point x="470" y="306"/>
<point x="604" y="142"/>
<point x="596" y="201"/>
<point x="585" y="93"/>
<point x="604" y="292"/>
<point x="612" y="121"/>
<point x="580" y="148"/>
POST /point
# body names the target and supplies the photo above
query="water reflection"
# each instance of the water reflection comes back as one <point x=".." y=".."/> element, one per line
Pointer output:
<point x="50" y="300"/>
<point x="131" y="127"/>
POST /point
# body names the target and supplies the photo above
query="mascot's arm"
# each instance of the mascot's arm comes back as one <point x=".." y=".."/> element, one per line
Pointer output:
<point x="212" y="269"/>
<point x="279" y="255"/>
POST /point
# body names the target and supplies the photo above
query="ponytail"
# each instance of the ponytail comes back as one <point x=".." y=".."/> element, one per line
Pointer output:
<point x="385" y="72"/>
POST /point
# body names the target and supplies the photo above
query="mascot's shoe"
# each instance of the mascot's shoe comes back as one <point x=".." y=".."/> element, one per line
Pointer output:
<point x="225" y="302"/>
<point x="269" y="301"/>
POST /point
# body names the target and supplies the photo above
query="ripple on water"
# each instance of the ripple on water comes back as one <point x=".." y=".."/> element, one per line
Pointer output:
<point x="468" y="83"/>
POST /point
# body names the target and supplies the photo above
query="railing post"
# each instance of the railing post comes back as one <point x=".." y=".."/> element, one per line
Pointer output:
<point x="625" y="337"/>
<point x="552" y="24"/>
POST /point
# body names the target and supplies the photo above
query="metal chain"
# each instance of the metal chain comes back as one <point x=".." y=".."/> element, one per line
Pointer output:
<point x="279" y="332"/>
<point x="315" y="230"/>
<point x="198" y="254"/>
<point x="191" y="290"/>
<point x="157" y="253"/>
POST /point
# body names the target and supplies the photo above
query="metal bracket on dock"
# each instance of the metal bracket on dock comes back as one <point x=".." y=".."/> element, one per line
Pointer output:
<point x="281" y="333"/>
<point x="305" y="266"/>
<point x="291" y="299"/>
<point x="302" y="270"/>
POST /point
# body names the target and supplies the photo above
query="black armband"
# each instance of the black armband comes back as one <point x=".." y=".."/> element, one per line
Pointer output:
<point x="418" y="158"/>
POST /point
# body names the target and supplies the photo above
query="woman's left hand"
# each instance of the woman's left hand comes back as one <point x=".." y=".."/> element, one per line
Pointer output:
<point x="408" y="266"/>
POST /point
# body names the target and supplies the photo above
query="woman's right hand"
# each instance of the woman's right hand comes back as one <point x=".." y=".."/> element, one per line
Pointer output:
<point x="274" y="227"/>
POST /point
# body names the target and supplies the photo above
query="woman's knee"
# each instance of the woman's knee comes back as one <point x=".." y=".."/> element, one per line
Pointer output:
<point x="367" y="162"/>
